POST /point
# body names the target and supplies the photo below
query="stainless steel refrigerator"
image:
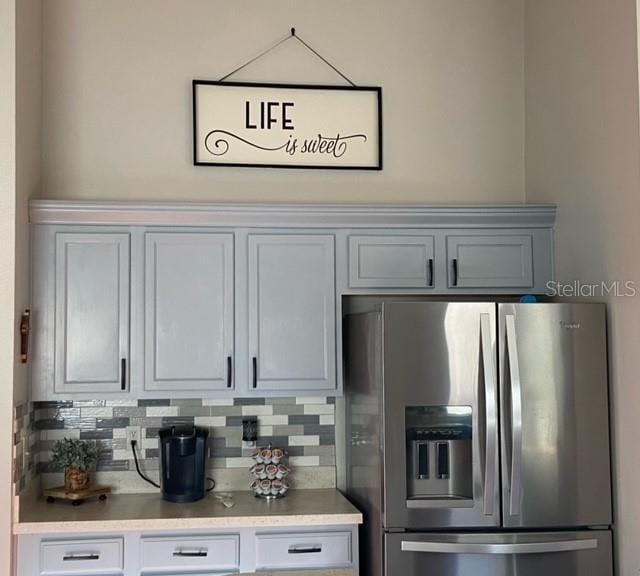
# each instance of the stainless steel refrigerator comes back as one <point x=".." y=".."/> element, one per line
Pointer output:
<point x="478" y="438"/>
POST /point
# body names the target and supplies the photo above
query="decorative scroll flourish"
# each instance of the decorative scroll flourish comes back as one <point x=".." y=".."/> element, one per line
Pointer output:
<point x="221" y="145"/>
<point x="336" y="145"/>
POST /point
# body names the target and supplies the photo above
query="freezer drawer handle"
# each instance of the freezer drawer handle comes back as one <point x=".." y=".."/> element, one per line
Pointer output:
<point x="520" y="548"/>
<point x="516" y="417"/>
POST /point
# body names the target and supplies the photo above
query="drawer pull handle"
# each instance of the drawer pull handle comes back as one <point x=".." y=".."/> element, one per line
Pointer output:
<point x="80" y="557"/>
<point x="305" y="549"/>
<point x="191" y="553"/>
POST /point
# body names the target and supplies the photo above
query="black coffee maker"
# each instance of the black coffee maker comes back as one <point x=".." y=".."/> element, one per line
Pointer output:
<point x="183" y="459"/>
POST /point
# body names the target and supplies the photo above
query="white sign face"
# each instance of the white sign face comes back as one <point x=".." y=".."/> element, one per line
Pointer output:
<point x="283" y="126"/>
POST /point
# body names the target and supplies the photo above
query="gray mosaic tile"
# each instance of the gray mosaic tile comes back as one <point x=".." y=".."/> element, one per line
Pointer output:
<point x="295" y="450"/>
<point x="114" y="465"/>
<point x="151" y="431"/>
<point x="194" y="411"/>
<point x="273" y="401"/>
<point x="305" y="419"/>
<point x="288" y="409"/>
<point x="319" y="451"/>
<point x="120" y="444"/>
<point x="155" y="422"/>
<point x="318" y="429"/>
<point x="168" y="421"/>
<point x="89" y="403"/>
<point x="297" y="430"/>
<point x="129" y="411"/>
<point x="80" y="423"/>
<point x="226" y="432"/>
<point x="45" y="414"/>
<point x="112" y="422"/>
<point x="147" y="402"/>
<point x="219" y="452"/>
<point x="235" y="420"/>
<point x="152" y="453"/>
<point x="331" y="400"/>
<point x="147" y="464"/>
<point x="248" y="401"/>
<point x="275" y="441"/>
<point x="48" y="424"/>
<point x="225" y="410"/>
<point x="52" y="404"/>
<point x="326" y="440"/>
<point x="97" y="433"/>
<point x="192" y="402"/>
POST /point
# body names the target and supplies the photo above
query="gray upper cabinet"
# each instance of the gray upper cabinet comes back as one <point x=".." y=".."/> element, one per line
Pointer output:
<point x="391" y="261"/>
<point x="486" y="261"/>
<point x="189" y="311"/>
<point x="91" y="341"/>
<point x="291" y="290"/>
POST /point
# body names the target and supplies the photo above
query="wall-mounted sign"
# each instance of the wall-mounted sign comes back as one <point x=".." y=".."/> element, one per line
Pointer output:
<point x="286" y="126"/>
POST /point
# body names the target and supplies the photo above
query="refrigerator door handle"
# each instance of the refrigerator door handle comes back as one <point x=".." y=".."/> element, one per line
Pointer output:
<point x="500" y="548"/>
<point x="491" y="413"/>
<point x="516" y="417"/>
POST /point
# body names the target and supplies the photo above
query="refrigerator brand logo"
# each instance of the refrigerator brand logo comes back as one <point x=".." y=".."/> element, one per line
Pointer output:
<point x="570" y="325"/>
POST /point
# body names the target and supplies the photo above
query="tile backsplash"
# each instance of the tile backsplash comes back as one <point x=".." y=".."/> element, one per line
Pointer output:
<point x="25" y="440"/>
<point x="304" y="427"/>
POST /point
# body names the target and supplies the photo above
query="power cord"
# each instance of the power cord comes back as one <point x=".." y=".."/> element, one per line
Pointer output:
<point x="135" y="459"/>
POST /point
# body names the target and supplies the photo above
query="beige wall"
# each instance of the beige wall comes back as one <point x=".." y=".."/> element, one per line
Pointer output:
<point x="7" y="258"/>
<point x="583" y="152"/>
<point x="117" y="118"/>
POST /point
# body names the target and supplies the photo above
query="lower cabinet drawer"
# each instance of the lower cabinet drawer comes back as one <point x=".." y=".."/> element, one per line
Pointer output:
<point x="303" y="550"/>
<point x="172" y="554"/>
<point x="70" y="557"/>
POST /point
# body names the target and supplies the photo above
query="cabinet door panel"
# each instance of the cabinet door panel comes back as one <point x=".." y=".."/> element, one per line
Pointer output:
<point x="490" y="261"/>
<point x="390" y="261"/>
<point x="92" y="312"/>
<point x="188" y="311"/>
<point x="292" y="312"/>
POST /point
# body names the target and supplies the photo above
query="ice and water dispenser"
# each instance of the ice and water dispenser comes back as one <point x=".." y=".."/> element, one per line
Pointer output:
<point x="439" y="453"/>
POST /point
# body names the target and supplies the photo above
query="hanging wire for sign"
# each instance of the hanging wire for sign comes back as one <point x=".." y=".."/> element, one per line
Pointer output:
<point x="282" y="41"/>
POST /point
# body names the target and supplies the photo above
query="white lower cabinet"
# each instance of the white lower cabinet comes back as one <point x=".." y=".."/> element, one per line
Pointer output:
<point x="219" y="553"/>
<point x="299" y="551"/>
<point x="185" y="553"/>
<point x="82" y="557"/>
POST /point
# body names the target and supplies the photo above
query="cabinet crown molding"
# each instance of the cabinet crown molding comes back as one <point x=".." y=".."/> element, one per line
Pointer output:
<point x="293" y="215"/>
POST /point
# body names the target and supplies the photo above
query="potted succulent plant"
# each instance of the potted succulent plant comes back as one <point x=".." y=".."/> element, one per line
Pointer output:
<point x="77" y="457"/>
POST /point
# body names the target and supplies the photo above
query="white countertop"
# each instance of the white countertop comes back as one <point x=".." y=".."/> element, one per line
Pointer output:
<point x="138" y="512"/>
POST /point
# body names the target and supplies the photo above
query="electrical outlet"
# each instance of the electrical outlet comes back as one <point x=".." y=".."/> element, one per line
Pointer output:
<point x="134" y="434"/>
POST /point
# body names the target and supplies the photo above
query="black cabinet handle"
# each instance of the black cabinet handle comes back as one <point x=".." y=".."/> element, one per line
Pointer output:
<point x="229" y="372"/>
<point x="305" y="550"/>
<point x="255" y="372"/>
<point x="123" y="374"/>
<point x="431" y="272"/>
<point x="190" y="553"/>
<point x="80" y="557"/>
<point x="454" y="264"/>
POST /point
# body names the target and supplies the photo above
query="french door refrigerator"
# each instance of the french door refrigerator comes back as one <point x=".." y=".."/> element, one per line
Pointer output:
<point x="478" y="438"/>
